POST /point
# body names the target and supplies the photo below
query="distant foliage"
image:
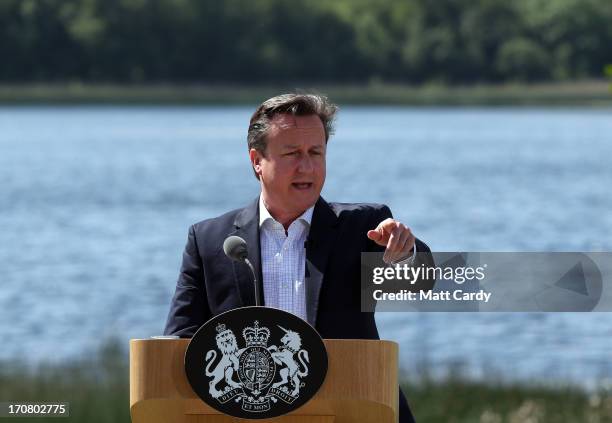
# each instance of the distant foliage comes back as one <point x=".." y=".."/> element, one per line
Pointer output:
<point x="277" y="41"/>
<point x="608" y="72"/>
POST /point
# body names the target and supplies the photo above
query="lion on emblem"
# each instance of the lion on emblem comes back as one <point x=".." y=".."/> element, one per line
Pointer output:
<point x="291" y="346"/>
<point x="228" y="364"/>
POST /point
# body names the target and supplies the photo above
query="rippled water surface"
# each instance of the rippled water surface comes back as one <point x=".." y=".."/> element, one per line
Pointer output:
<point x="95" y="203"/>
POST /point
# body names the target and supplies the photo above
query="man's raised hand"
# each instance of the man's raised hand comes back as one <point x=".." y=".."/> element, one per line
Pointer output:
<point x="396" y="237"/>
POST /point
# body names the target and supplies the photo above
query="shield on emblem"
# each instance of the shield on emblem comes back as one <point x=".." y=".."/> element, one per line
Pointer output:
<point x="257" y="369"/>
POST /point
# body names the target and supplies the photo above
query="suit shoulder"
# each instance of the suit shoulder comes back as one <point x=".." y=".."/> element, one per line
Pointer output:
<point x="359" y="208"/>
<point x="227" y="218"/>
<point x="209" y="234"/>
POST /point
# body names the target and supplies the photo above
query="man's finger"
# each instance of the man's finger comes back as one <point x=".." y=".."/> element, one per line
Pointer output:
<point x="403" y="240"/>
<point x="380" y="235"/>
<point x="389" y="255"/>
<point x="387" y="225"/>
<point x="406" y="245"/>
<point x="374" y="235"/>
<point x="394" y="238"/>
<point x="410" y="243"/>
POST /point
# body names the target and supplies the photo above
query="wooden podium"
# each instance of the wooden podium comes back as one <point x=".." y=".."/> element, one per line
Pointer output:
<point x="361" y="385"/>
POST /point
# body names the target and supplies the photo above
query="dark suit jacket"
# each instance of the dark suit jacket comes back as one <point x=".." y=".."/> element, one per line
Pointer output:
<point x="210" y="283"/>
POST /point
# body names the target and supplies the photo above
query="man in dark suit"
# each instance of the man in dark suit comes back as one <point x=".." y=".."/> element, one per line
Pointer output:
<point x="305" y="251"/>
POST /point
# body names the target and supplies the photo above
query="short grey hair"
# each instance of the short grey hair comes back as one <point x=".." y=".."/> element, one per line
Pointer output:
<point x="294" y="104"/>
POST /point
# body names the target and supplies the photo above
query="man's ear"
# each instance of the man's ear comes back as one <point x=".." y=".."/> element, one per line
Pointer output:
<point x="255" y="157"/>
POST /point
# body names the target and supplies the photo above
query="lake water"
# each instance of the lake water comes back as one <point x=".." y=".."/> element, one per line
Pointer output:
<point x="95" y="203"/>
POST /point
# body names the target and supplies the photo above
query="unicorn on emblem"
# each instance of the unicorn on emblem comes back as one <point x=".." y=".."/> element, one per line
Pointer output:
<point x="286" y="356"/>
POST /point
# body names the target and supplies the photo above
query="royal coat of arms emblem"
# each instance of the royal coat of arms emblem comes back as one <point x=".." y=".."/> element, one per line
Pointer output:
<point x="265" y="371"/>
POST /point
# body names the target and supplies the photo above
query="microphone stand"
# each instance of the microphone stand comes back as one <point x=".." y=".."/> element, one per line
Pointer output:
<point x="257" y="300"/>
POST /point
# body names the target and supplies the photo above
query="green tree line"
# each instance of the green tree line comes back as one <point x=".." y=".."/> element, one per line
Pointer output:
<point x="280" y="41"/>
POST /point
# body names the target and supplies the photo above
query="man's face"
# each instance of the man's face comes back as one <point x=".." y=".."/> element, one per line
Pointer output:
<point x="292" y="171"/>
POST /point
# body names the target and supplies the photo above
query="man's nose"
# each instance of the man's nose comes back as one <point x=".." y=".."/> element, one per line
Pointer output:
<point x="305" y="165"/>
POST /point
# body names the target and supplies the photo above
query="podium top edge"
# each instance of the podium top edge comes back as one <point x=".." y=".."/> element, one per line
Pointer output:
<point x="335" y="340"/>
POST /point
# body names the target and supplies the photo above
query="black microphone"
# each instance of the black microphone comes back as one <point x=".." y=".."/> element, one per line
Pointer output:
<point x="236" y="249"/>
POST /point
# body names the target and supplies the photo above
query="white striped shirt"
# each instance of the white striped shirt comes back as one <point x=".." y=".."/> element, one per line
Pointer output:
<point x="283" y="261"/>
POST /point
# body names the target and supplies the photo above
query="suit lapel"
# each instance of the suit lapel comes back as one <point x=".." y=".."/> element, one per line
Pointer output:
<point x="318" y="249"/>
<point x="247" y="227"/>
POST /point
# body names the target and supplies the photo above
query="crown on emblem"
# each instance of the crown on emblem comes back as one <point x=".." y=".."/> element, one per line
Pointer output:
<point x="256" y="336"/>
<point x="221" y="330"/>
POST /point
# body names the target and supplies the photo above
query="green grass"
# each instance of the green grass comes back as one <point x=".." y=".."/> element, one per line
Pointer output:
<point x="97" y="389"/>
<point x="582" y="93"/>
<point x="460" y="401"/>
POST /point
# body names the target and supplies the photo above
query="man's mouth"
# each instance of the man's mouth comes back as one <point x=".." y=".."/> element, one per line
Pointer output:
<point x="302" y="185"/>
